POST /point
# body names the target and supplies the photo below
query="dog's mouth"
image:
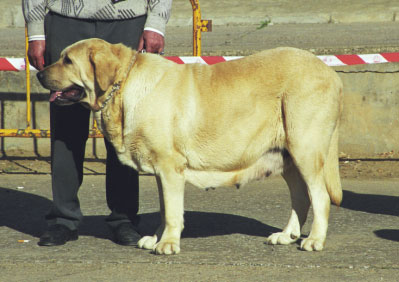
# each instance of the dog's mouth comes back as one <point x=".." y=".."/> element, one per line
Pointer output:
<point x="68" y="96"/>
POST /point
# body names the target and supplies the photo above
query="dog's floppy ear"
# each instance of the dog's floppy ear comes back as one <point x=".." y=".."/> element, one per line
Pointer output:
<point x="105" y="65"/>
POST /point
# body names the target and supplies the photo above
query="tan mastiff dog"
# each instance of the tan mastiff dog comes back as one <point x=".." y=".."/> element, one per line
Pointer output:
<point x="226" y="124"/>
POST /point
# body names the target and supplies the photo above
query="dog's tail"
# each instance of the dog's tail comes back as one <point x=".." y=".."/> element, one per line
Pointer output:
<point x="331" y="171"/>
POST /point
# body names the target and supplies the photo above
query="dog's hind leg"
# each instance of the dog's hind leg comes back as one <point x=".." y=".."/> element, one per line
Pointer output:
<point x="310" y="118"/>
<point x="321" y="207"/>
<point x="311" y="167"/>
<point x="300" y="204"/>
<point x="311" y="151"/>
<point x="324" y="186"/>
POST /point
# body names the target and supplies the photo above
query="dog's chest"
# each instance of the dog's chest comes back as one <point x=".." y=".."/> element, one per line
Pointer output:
<point x="137" y="153"/>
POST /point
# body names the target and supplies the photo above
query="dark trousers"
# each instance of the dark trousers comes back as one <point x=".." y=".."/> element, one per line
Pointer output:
<point x="70" y="126"/>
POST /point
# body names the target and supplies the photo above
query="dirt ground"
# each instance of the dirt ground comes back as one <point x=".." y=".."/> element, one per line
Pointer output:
<point x="349" y="168"/>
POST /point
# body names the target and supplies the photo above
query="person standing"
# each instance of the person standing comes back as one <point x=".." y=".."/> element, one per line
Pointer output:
<point x="52" y="26"/>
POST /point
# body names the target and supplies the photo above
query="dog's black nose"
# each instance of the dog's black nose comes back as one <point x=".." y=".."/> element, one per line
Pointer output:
<point x="40" y="75"/>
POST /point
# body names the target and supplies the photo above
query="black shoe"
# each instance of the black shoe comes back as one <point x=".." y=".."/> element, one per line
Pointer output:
<point x="126" y="234"/>
<point x="57" y="235"/>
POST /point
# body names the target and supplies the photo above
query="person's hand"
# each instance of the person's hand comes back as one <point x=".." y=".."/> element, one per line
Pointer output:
<point x="152" y="42"/>
<point x="36" y="53"/>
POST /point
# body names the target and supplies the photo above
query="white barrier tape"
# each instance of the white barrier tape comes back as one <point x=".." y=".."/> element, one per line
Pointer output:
<point x="373" y="59"/>
<point x="18" y="64"/>
<point x="13" y="64"/>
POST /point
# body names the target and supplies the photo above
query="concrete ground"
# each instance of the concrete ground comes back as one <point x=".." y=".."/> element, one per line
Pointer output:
<point x="225" y="229"/>
<point x="223" y="240"/>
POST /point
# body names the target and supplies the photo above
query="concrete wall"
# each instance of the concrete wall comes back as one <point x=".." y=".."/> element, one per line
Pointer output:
<point x="369" y="127"/>
<point x="370" y="121"/>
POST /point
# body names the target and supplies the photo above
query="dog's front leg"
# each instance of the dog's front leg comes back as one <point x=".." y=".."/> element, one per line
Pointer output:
<point x="149" y="242"/>
<point x="171" y="190"/>
<point x="171" y="197"/>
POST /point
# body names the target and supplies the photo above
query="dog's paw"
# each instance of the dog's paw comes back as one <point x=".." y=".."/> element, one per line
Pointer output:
<point x="167" y="248"/>
<point x="147" y="242"/>
<point x="310" y="244"/>
<point x="281" y="238"/>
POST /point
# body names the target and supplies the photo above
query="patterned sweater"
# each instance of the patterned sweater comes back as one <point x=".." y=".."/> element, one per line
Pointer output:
<point x="158" y="12"/>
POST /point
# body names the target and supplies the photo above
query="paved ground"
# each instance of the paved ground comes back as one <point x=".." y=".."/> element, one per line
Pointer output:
<point x="323" y="26"/>
<point x="242" y="40"/>
<point x="225" y="228"/>
<point x="223" y="239"/>
<point x="386" y="167"/>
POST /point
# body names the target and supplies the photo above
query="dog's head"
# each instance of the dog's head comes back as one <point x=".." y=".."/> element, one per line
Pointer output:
<point x="84" y="72"/>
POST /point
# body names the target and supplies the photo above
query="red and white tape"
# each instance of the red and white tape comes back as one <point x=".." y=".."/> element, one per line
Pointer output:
<point x="330" y="60"/>
<point x="18" y="64"/>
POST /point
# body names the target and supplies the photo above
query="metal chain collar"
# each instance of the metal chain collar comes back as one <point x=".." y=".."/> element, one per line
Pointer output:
<point x="117" y="86"/>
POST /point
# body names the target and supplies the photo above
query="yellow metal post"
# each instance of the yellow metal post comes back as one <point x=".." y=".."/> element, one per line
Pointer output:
<point x="27" y="72"/>
<point x="198" y="27"/>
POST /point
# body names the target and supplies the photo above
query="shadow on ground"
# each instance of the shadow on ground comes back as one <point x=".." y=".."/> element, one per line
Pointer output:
<point x="25" y="212"/>
<point x="206" y="224"/>
<point x="388" y="234"/>
<point x="376" y="204"/>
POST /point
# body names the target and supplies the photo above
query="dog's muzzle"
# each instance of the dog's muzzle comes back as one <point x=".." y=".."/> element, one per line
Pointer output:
<point x="67" y="96"/>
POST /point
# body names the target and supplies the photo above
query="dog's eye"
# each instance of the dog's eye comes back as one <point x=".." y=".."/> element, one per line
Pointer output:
<point x="67" y="60"/>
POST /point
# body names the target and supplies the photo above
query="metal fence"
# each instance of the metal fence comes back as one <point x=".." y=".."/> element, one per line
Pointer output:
<point x="199" y="26"/>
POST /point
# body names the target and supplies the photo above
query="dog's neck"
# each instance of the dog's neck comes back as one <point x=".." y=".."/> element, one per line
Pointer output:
<point x="117" y="86"/>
